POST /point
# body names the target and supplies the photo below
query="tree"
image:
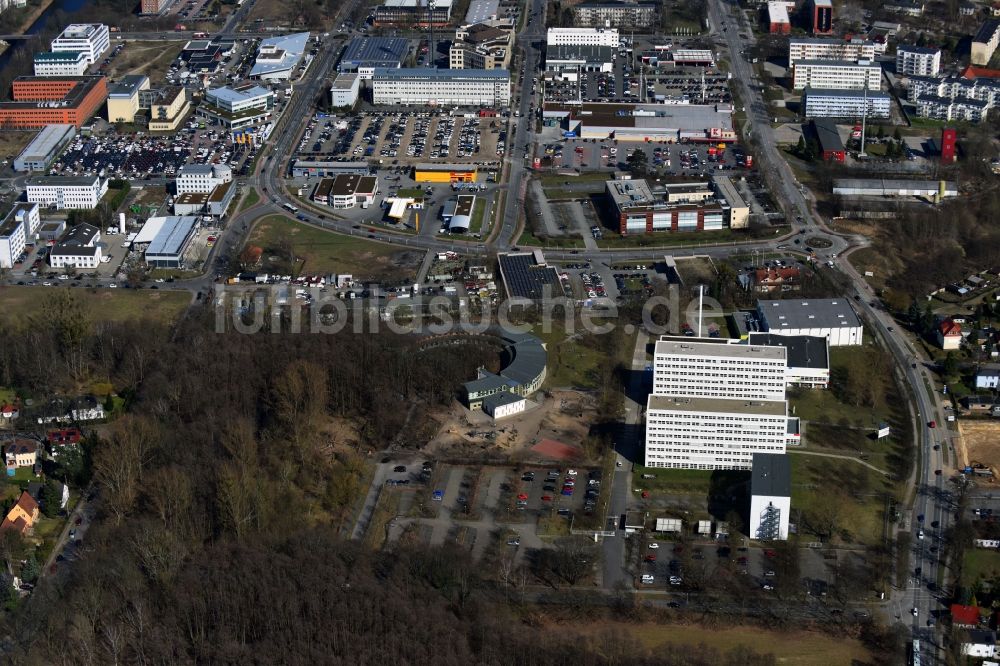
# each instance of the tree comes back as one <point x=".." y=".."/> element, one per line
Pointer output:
<point x="109" y="404"/>
<point x="30" y="569"/>
<point x="51" y="499"/>
<point x="897" y="135"/>
<point x="638" y="161"/>
<point x="800" y="148"/>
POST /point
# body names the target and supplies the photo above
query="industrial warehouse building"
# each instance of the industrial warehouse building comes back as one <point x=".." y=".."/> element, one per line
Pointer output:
<point x="43" y="149"/>
<point x="426" y="86"/>
<point x="770" y="496"/>
<point x="363" y="55"/>
<point x="830" y="318"/>
<point x="848" y="104"/>
<point x="837" y="75"/>
<point x="310" y="168"/>
<point x="878" y="187"/>
<point x="709" y="123"/>
<point x="165" y="240"/>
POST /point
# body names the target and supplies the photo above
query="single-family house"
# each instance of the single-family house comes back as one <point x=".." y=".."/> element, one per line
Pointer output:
<point x="988" y="377"/>
<point x="22" y="515"/>
<point x="21" y="453"/>
<point x="8" y="412"/>
<point x="767" y="280"/>
<point x="949" y="334"/>
<point x="978" y="403"/>
<point x="87" y="408"/>
<point x="966" y="617"/>
<point x="980" y="644"/>
<point x="60" y="440"/>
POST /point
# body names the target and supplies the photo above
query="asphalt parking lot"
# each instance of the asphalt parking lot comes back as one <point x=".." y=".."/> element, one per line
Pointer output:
<point x="673" y="159"/>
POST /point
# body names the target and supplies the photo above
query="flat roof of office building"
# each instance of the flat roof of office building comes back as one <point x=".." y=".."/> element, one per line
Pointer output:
<point x="727" y="191"/>
<point x="771" y="475"/>
<point x="630" y="193"/>
<point x="345" y="81"/>
<point x="46" y="142"/>
<point x="128" y="85"/>
<point x="717" y="405"/>
<point x="482" y="10"/>
<point x="803" y="351"/>
<point x="434" y="73"/>
<point x="809" y="313"/>
<point x="60" y="56"/>
<point x="846" y="94"/>
<point x="689" y="347"/>
<point x="64" y="181"/>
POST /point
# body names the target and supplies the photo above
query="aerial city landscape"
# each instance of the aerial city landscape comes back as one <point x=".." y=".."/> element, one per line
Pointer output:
<point x="500" y="332"/>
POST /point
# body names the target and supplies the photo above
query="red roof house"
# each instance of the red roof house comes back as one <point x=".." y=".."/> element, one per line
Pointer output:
<point x="949" y="334"/>
<point x="964" y="616"/>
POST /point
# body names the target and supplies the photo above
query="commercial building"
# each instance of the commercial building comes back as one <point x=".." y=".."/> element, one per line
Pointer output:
<point x="709" y="123"/>
<point x="624" y="14"/>
<point x="61" y="63"/>
<point x="712" y="433"/>
<point x="837" y="75"/>
<point x="574" y="59"/>
<point x="457" y="213"/>
<point x="44" y="148"/>
<point x="309" y="168"/>
<point x="777" y="17"/>
<point x="242" y="106"/>
<point x="583" y="37"/>
<point x="526" y="275"/>
<point x="165" y="240"/>
<point x="770" y="497"/>
<point x="830" y="318"/>
<point x="954" y="98"/>
<point x="712" y="368"/>
<point x="79" y="248"/>
<point x="345" y="91"/>
<point x="347" y="191"/>
<point x="849" y="104"/>
<point x="830" y="144"/>
<point x="808" y="357"/>
<point x="813" y="48"/>
<point x="414" y="12"/>
<point x="822" y="17"/>
<point x="91" y="39"/>
<point x="481" y="11"/>
<point x="948" y="139"/>
<point x="66" y="192"/>
<point x="426" y="86"/>
<point x="40" y="101"/>
<point x="428" y="172"/>
<point x="523" y="359"/>
<point x="153" y="7"/>
<point x="676" y="208"/>
<point x="202" y="177"/>
<point x="481" y="46"/>
<point x="985" y="42"/>
<point x="19" y="227"/>
<point x="363" y="54"/>
<point x="503" y="404"/>
<point x="167" y="108"/>
<point x="917" y="61"/>
<point x="879" y="187"/>
<point x="123" y="98"/>
<point x="277" y="57"/>
<point x="692" y="57"/>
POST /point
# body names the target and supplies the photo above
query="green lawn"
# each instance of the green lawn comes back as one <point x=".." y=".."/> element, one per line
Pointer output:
<point x="18" y="303"/>
<point x="528" y="238"/>
<point x="555" y="179"/>
<point x="321" y="252"/>
<point x="251" y="199"/>
<point x="980" y="563"/>
<point x="23" y="475"/>
<point x="476" y="225"/>
<point x="412" y="192"/>
<point x="673" y="481"/>
<point x="675" y="239"/>
<point x="569" y="363"/>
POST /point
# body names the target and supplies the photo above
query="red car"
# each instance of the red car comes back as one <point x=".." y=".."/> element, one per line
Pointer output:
<point x="770" y="553"/>
<point x="546" y="498"/>
<point x="645" y="494"/>
<point x="932" y="424"/>
<point x="522" y="496"/>
<point x="650" y="558"/>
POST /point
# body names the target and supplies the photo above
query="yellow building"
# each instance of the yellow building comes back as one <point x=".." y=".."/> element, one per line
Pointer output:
<point x="444" y="173"/>
<point x="168" y="110"/>
<point x="123" y="98"/>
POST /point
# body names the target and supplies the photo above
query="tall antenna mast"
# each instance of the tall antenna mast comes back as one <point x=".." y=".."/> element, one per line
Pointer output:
<point x="701" y="294"/>
<point x="431" y="6"/>
<point x="864" y="117"/>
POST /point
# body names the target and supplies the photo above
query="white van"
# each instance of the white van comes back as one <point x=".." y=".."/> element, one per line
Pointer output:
<point x="647" y="579"/>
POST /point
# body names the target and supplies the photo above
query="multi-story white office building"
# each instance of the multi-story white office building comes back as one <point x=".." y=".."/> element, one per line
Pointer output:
<point x="92" y="39"/>
<point x="61" y="63"/>
<point x="816" y="48"/>
<point x="202" y="178"/>
<point x="458" y="87"/>
<point x="583" y="37"/>
<point x="345" y="90"/>
<point x="715" y="369"/>
<point x="20" y="226"/>
<point x="837" y="75"/>
<point x="712" y="433"/>
<point x="852" y="104"/>
<point x="917" y="61"/>
<point x="79" y="248"/>
<point x="235" y="108"/>
<point x="66" y="192"/>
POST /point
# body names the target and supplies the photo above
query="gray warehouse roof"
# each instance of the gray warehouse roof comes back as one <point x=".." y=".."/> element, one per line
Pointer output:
<point x="170" y="239"/>
<point x="495" y="400"/>
<point x="527" y="361"/>
<point x="771" y="475"/>
<point x="804" y="351"/>
<point x="374" y="52"/>
<point x="809" y="313"/>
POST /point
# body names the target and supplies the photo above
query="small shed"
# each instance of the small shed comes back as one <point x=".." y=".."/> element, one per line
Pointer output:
<point x="669" y="525"/>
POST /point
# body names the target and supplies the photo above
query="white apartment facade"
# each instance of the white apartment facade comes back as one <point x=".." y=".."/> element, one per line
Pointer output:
<point x="822" y="103"/>
<point x="917" y="61"/>
<point x="92" y="39"/>
<point x="712" y="433"/>
<point x="829" y="49"/>
<point x="684" y="367"/>
<point x="20" y="226"/>
<point x="202" y="178"/>
<point x="61" y="63"/>
<point x="837" y="75"/>
<point x="583" y="37"/>
<point x="66" y="192"/>
<point x="465" y="87"/>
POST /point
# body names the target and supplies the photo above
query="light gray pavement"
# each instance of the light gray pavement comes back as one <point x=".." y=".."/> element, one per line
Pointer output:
<point x="583" y="224"/>
<point x="545" y="209"/>
<point x="382" y="471"/>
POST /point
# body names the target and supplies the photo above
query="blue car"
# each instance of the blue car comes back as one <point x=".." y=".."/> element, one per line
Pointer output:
<point x="438" y="495"/>
<point x="567" y="491"/>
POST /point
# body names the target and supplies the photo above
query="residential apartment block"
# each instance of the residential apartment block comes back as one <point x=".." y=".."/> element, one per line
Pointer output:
<point x="817" y="48"/>
<point x="582" y="37"/>
<point x="91" y="39"/>
<point x="19" y="227"/>
<point x="425" y="86"/>
<point x="917" y="61"/>
<point x="848" y="104"/>
<point x="837" y="75"/>
<point x="984" y="44"/>
<point x="954" y="98"/>
<point x="621" y="14"/>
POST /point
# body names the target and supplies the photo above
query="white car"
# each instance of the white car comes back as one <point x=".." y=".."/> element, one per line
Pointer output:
<point x="915" y="611"/>
<point x="676" y="580"/>
<point x="647" y="579"/>
<point x="571" y="472"/>
<point x="920" y="534"/>
<point x="653" y="545"/>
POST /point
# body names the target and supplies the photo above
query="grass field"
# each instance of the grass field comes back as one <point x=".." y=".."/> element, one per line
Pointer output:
<point x="528" y="238"/>
<point x="570" y="364"/>
<point x="320" y="252"/>
<point x="598" y="177"/>
<point x="980" y="563"/>
<point x="13" y="142"/>
<point x="18" y="303"/>
<point x="790" y="648"/>
<point x="150" y="58"/>
<point x="251" y="199"/>
<point x="673" y="481"/>
<point x="476" y="224"/>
